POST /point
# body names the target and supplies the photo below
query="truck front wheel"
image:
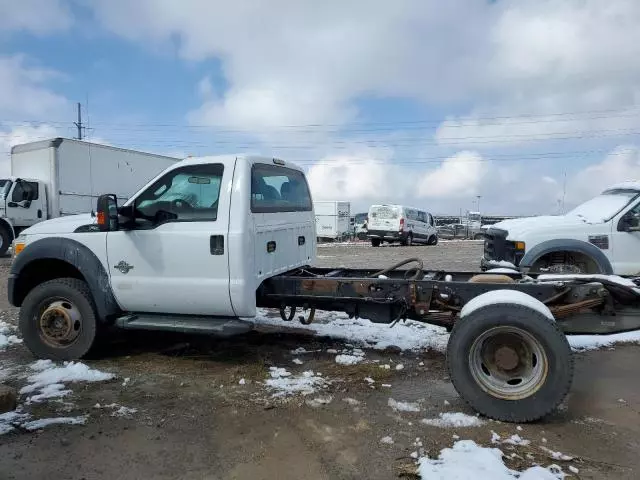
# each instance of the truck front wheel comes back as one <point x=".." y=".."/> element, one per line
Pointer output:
<point x="58" y="319"/>
<point x="510" y="362"/>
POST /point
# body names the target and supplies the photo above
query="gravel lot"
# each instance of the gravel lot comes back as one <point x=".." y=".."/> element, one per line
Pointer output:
<point x="203" y="410"/>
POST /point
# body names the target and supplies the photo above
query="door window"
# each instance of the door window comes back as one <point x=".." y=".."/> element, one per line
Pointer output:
<point x="25" y="191"/>
<point x="185" y="194"/>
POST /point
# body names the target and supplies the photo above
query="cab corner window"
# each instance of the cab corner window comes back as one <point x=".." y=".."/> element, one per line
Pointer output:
<point x="278" y="189"/>
<point x="187" y="194"/>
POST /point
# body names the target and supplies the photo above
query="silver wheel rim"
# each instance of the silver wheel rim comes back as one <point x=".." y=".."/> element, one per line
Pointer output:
<point x="508" y="363"/>
<point x="59" y="323"/>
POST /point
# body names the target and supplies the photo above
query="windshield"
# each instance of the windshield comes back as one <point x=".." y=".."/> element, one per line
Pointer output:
<point x="603" y="207"/>
<point x="384" y="212"/>
<point x="360" y="217"/>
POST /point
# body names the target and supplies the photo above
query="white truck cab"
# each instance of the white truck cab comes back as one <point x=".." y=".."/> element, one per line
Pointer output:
<point x="192" y="245"/>
<point x="600" y="236"/>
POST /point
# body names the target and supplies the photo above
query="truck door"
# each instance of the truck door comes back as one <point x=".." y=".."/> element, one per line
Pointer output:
<point x="173" y="258"/>
<point x="625" y="257"/>
<point x="26" y="203"/>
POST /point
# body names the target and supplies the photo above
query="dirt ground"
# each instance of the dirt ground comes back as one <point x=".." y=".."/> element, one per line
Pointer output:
<point x="195" y="420"/>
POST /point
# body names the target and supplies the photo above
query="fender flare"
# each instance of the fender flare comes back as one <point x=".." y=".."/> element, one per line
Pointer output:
<point x="73" y="253"/>
<point x="568" y="245"/>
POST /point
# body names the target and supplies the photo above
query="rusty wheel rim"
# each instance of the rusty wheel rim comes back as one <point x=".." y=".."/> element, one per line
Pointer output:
<point x="59" y="323"/>
<point x="508" y="363"/>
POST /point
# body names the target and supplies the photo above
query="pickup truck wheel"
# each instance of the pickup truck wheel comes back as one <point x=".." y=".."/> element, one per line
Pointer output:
<point x="58" y="319"/>
<point x="510" y="362"/>
<point x="5" y="240"/>
<point x="375" y="242"/>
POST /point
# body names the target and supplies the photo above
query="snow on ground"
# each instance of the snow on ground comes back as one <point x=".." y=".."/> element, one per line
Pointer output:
<point x="387" y="440"/>
<point x="7" y="336"/>
<point x="403" y="406"/>
<point x="453" y="419"/>
<point x="352" y="357"/>
<point x="45" y="422"/>
<point x="49" y="379"/>
<point x="467" y="460"/>
<point x="594" y="342"/>
<point x="413" y="336"/>
<point x="283" y="383"/>
<point x="516" y="440"/>
<point x="406" y="336"/>
<point x="10" y="419"/>
<point x="319" y="401"/>
<point x="118" y="410"/>
<point x="556" y="455"/>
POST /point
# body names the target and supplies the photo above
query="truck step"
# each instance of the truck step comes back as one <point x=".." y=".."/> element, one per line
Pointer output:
<point x="218" y="326"/>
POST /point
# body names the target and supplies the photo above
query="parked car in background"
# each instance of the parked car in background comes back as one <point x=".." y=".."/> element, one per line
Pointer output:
<point x="397" y="223"/>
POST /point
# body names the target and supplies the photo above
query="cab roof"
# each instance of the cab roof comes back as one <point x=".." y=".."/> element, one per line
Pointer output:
<point x="247" y="158"/>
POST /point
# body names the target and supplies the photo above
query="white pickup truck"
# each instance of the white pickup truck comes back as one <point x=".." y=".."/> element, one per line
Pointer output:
<point x="601" y="236"/>
<point x="208" y="241"/>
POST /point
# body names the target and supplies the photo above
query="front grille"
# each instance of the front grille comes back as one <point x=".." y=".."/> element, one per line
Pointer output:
<point x="497" y="247"/>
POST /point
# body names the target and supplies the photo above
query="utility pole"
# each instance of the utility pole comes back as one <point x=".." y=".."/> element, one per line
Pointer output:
<point x="78" y="124"/>
<point x="478" y="197"/>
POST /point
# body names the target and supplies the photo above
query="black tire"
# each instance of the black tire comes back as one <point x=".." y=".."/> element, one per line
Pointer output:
<point x="375" y="242"/>
<point x="408" y="242"/>
<point x="557" y="362"/>
<point x="64" y="291"/>
<point x="5" y="240"/>
<point x="433" y="240"/>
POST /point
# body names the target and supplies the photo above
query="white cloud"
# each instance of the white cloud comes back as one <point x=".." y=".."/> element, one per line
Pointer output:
<point x="621" y="164"/>
<point x="23" y="94"/>
<point x="18" y="135"/>
<point x="360" y="176"/>
<point x="36" y="16"/>
<point x="458" y="176"/>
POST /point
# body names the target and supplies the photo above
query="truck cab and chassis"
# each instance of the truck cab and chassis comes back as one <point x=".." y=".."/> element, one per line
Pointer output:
<point x="208" y="241"/>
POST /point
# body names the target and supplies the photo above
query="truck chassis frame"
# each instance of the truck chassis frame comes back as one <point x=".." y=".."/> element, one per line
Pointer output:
<point x="509" y="359"/>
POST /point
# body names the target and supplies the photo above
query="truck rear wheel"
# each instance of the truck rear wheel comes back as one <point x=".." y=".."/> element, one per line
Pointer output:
<point x="375" y="242"/>
<point x="5" y="240"/>
<point x="58" y="319"/>
<point x="510" y="362"/>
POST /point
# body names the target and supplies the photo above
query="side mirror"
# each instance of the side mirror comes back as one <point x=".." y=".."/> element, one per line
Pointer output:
<point x="107" y="213"/>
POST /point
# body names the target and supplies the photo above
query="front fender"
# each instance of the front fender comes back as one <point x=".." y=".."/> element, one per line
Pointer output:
<point x="73" y="253"/>
<point x="567" y="245"/>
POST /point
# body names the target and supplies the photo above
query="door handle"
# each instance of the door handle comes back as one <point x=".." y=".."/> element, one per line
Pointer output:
<point x="216" y="244"/>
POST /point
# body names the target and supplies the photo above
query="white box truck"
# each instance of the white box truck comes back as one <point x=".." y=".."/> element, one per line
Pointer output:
<point x="332" y="219"/>
<point x="57" y="177"/>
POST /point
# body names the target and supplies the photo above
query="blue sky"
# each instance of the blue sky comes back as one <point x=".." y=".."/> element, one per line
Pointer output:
<point x="530" y="104"/>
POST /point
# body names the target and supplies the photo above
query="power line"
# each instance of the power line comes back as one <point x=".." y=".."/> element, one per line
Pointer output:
<point x="593" y="114"/>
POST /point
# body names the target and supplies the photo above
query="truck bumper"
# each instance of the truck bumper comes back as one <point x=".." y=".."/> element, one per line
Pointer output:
<point x="387" y="235"/>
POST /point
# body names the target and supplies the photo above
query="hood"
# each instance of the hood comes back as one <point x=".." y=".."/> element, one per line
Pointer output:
<point x="67" y="224"/>
<point x="518" y="227"/>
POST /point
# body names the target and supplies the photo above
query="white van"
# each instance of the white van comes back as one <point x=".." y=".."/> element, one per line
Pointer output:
<point x="397" y="223"/>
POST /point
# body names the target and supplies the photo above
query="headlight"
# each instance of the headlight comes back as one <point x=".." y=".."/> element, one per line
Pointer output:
<point x="18" y="244"/>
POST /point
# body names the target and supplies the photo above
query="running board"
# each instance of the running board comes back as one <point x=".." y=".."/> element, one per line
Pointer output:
<point x="218" y="326"/>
